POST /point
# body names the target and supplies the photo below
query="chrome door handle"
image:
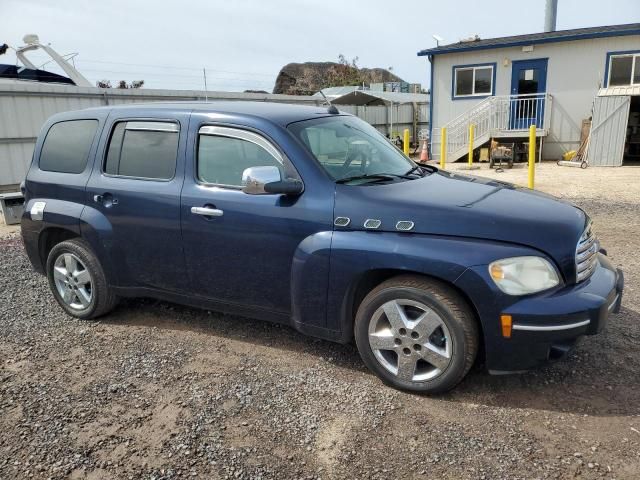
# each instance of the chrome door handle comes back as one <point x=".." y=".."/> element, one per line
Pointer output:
<point x="106" y="200"/>
<point x="207" y="212"/>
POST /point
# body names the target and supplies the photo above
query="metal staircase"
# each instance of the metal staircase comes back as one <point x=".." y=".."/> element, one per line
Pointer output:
<point x="495" y="117"/>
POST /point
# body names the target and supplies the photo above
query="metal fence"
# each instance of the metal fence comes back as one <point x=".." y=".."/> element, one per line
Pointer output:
<point x="25" y="108"/>
<point x="393" y="119"/>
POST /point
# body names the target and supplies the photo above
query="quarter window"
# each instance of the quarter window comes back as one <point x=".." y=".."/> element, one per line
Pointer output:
<point x="66" y="146"/>
<point x="473" y="81"/>
<point x="624" y="70"/>
<point x="225" y="153"/>
<point x="143" y="150"/>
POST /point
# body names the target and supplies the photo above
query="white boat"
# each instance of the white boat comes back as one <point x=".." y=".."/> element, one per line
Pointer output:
<point x="26" y="71"/>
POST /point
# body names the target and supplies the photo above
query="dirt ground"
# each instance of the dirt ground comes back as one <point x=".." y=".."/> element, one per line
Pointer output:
<point x="6" y="230"/>
<point x="156" y="390"/>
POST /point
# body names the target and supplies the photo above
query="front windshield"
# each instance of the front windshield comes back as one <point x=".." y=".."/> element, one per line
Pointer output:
<point x="351" y="149"/>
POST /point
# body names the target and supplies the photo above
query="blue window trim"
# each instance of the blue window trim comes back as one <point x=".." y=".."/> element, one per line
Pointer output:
<point x="605" y="82"/>
<point x="473" y="97"/>
<point x="456" y="48"/>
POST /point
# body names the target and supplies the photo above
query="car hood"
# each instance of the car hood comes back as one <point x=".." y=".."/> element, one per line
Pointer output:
<point x="451" y="204"/>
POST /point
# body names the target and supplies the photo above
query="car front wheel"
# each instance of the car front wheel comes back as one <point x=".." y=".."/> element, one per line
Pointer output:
<point x="77" y="280"/>
<point x="417" y="334"/>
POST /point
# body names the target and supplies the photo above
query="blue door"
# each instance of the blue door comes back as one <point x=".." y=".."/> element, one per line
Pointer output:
<point x="528" y="89"/>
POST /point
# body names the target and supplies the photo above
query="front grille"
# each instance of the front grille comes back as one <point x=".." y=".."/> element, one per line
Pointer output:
<point x="586" y="255"/>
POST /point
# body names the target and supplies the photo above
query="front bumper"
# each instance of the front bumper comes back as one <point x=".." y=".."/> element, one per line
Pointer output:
<point x="545" y="326"/>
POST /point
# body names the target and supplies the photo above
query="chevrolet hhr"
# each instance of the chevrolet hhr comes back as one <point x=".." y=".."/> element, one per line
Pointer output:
<point x="310" y="217"/>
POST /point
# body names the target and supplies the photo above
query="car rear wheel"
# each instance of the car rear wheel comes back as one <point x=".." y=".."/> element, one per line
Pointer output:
<point x="417" y="334"/>
<point x="77" y="280"/>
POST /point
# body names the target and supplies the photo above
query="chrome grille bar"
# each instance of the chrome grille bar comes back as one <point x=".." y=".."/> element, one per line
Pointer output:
<point x="586" y="258"/>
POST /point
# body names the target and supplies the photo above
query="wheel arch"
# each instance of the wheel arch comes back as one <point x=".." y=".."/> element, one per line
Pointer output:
<point x="95" y="300"/>
<point x="50" y="237"/>
<point x="370" y="279"/>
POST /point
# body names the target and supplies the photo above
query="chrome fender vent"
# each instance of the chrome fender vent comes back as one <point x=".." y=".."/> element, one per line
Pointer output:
<point x="404" y="225"/>
<point x="372" y="223"/>
<point x="342" y="221"/>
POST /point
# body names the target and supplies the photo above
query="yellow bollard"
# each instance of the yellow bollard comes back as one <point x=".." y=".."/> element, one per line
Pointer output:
<point x="532" y="155"/>
<point x="406" y="142"/>
<point x="471" y="133"/>
<point x="443" y="148"/>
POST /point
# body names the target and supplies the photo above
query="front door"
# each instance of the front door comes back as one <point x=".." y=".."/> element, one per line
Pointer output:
<point x="241" y="249"/>
<point x="528" y="89"/>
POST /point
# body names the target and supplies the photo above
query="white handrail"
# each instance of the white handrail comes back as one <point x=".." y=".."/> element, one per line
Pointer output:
<point x="498" y="114"/>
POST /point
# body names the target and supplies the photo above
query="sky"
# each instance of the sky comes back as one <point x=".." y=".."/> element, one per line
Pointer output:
<point x="244" y="43"/>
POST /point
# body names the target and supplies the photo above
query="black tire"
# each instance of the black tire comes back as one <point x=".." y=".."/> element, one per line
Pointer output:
<point x="452" y="309"/>
<point x="103" y="299"/>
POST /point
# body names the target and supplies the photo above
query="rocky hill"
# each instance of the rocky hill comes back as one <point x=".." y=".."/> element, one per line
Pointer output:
<point x="309" y="77"/>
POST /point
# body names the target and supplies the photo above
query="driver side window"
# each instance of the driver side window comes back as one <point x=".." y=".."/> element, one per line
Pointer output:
<point x="222" y="159"/>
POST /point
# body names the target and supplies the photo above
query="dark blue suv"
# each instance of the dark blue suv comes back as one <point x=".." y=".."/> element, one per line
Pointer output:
<point x="309" y="217"/>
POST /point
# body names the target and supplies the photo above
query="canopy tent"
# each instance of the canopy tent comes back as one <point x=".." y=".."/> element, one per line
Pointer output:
<point x="372" y="97"/>
<point x="335" y="92"/>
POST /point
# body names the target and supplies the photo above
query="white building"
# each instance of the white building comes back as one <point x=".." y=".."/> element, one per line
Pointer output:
<point x="556" y="80"/>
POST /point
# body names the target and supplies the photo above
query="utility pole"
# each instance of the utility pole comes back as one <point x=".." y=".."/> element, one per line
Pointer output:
<point x="206" y="95"/>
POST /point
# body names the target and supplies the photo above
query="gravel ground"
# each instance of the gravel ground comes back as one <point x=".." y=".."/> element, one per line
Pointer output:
<point x="156" y="390"/>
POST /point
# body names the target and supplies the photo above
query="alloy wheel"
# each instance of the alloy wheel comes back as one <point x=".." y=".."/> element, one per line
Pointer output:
<point x="410" y="340"/>
<point x="73" y="281"/>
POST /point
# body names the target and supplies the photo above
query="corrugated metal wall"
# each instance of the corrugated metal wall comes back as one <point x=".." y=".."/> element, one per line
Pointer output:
<point x="608" y="131"/>
<point x="25" y="108"/>
<point x="381" y="116"/>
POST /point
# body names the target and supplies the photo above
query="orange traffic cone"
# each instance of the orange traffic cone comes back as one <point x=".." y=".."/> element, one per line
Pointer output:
<point x="424" y="154"/>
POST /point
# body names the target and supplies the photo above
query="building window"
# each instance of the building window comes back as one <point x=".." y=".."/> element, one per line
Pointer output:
<point x="473" y="81"/>
<point x="624" y="70"/>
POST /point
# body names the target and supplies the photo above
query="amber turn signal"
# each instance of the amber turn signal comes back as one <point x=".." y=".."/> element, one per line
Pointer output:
<point x="496" y="271"/>
<point x="505" y="321"/>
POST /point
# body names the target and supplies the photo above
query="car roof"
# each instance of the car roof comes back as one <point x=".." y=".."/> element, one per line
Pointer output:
<point x="279" y="113"/>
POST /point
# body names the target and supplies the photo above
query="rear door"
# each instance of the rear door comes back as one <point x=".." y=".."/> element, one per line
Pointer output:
<point x="135" y="190"/>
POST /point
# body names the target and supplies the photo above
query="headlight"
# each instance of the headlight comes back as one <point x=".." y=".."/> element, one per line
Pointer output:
<point x="523" y="275"/>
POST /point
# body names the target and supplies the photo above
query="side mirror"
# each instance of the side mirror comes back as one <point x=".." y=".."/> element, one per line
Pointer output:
<point x="267" y="180"/>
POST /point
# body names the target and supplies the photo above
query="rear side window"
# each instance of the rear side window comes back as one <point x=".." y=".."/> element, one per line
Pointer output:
<point x="143" y="150"/>
<point x="66" y="146"/>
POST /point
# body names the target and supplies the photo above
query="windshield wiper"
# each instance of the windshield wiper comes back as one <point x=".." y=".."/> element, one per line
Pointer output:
<point x="372" y="176"/>
<point x="416" y="169"/>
